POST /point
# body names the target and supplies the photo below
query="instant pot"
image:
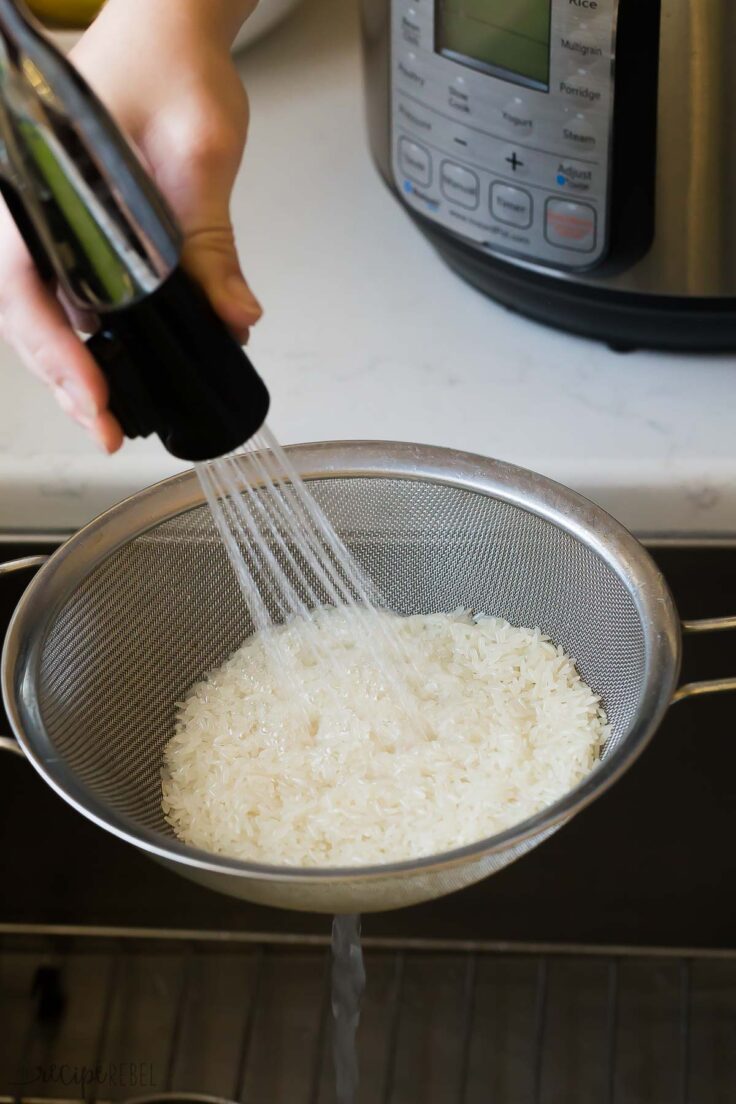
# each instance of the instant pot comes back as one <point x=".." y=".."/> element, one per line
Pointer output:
<point x="575" y="159"/>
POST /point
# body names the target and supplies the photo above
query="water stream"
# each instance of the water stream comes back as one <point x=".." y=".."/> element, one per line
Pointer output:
<point x="348" y="984"/>
<point x="288" y="561"/>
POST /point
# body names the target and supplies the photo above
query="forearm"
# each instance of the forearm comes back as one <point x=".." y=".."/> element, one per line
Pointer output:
<point x="232" y="14"/>
<point x="222" y="17"/>
<point x="218" y="20"/>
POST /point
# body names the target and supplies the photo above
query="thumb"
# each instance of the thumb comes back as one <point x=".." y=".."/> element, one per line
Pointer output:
<point x="211" y="258"/>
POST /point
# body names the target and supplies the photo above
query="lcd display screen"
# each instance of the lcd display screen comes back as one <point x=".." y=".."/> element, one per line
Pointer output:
<point x="507" y="38"/>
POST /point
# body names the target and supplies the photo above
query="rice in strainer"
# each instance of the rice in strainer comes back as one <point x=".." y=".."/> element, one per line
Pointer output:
<point x="508" y="727"/>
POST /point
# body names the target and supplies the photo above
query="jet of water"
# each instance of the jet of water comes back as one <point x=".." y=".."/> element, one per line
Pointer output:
<point x="348" y="985"/>
<point x="290" y="562"/>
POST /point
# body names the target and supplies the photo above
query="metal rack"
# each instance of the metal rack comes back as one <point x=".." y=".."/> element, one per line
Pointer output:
<point x="247" y="1017"/>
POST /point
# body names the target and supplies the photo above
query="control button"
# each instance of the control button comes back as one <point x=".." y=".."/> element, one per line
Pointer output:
<point x="458" y="97"/>
<point x="581" y="87"/>
<point x="584" y="47"/>
<point x="411" y="29"/>
<point x="593" y="20"/>
<point x="513" y="206"/>
<point x="410" y="71"/>
<point x="516" y="118"/>
<point x="579" y="133"/>
<point x="459" y="185"/>
<point x="575" y="176"/>
<point x="570" y="225"/>
<point x="461" y="139"/>
<point x="415" y="162"/>
<point x="514" y="160"/>
<point x="414" y="117"/>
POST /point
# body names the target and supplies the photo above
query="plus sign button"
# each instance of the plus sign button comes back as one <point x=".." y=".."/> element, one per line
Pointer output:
<point x="513" y="161"/>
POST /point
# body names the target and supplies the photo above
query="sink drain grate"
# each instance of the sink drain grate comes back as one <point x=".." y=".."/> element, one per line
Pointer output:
<point x="110" y="1014"/>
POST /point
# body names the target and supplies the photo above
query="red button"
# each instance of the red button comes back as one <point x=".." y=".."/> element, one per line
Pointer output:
<point x="571" y="225"/>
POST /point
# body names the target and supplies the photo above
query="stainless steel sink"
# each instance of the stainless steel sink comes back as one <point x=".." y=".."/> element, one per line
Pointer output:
<point x="246" y="1016"/>
<point x="602" y="967"/>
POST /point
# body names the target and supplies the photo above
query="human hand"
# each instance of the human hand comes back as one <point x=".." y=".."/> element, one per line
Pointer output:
<point x="163" y="69"/>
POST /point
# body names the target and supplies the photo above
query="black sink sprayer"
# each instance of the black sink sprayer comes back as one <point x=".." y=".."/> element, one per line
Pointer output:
<point x="100" y="232"/>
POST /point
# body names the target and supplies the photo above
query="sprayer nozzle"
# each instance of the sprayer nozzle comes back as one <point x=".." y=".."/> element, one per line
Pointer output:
<point x="174" y="369"/>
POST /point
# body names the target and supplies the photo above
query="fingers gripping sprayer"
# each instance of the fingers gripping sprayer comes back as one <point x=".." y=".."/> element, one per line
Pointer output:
<point x="101" y="233"/>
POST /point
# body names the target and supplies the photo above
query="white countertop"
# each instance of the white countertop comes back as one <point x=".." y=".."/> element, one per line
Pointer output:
<point x="367" y="334"/>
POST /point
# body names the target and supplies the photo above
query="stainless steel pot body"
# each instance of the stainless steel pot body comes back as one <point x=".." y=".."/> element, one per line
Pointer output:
<point x="676" y="174"/>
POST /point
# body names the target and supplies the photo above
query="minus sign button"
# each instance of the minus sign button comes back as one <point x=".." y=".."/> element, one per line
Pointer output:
<point x="460" y="141"/>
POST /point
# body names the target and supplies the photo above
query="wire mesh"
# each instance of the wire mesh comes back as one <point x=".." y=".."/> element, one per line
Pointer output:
<point x="166" y="607"/>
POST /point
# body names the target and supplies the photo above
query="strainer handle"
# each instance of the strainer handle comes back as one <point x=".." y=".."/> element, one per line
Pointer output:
<point x="7" y="743"/>
<point x="23" y="564"/>
<point x="710" y="686"/>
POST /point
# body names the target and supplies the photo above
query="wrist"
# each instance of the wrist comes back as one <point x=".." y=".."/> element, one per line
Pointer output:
<point x="220" y="18"/>
<point x="217" y="21"/>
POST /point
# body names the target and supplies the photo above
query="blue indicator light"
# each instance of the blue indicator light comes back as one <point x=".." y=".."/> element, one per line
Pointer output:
<point x="408" y="187"/>
<point x="561" y="180"/>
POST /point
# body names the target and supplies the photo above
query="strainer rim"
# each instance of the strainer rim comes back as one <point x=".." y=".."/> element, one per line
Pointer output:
<point x="107" y="533"/>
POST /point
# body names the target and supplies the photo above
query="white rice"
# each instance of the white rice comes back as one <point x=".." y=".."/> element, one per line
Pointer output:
<point x="508" y="727"/>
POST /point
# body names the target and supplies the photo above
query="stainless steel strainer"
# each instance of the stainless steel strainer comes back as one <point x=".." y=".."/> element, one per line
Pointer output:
<point x="130" y="612"/>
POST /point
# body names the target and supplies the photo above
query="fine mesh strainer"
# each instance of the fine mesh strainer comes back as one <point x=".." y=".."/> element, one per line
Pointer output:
<point x="128" y="614"/>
